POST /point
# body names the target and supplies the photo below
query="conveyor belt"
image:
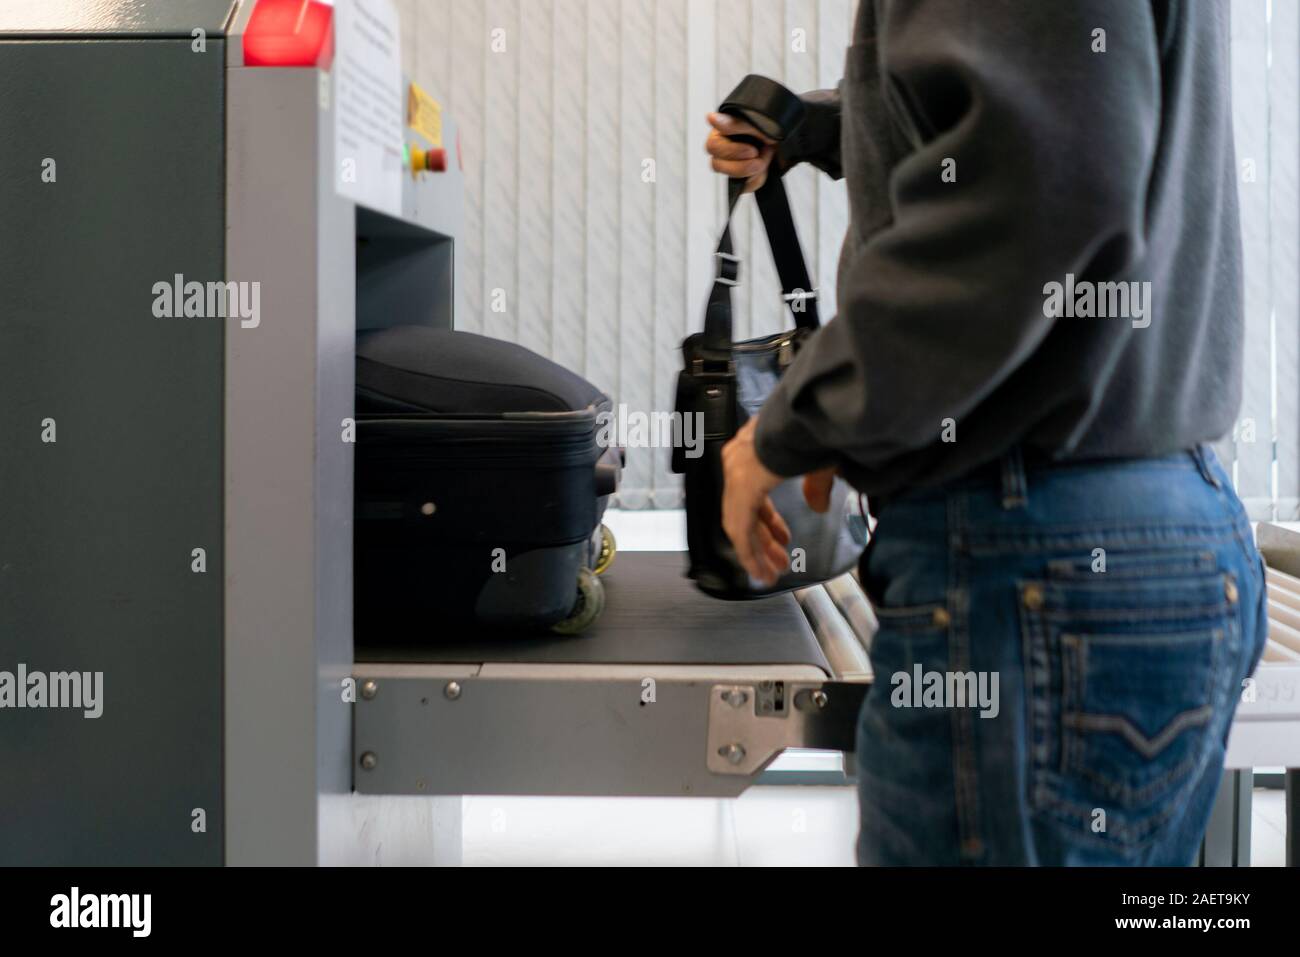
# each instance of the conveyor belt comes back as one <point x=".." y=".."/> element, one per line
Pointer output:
<point x="653" y="615"/>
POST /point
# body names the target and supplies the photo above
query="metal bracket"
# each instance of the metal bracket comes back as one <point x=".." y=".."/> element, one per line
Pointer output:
<point x="722" y="277"/>
<point x="750" y="724"/>
<point x="799" y="296"/>
<point x="699" y="368"/>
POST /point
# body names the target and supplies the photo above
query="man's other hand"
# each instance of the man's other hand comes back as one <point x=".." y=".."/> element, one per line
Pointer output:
<point x="757" y="532"/>
<point x="738" y="160"/>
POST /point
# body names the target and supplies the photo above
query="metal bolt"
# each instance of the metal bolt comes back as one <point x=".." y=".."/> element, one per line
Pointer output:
<point x="811" y="699"/>
<point x="368" y="761"/>
<point x="735" y="697"/>
<point x="369" y="689"/>
<point x="734" y="753"/>
<point x="452" y="691"/>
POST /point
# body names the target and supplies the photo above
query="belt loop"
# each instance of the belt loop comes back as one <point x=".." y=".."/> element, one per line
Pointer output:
<point x="1015" y="490"/>
<point x="1202" y="460"/>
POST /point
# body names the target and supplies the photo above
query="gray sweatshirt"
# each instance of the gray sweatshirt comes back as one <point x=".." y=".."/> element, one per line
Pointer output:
<point x="1043" y="248"/>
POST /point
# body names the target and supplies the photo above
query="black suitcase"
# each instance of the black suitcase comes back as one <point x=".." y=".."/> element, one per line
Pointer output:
<point x="480" y="486"/>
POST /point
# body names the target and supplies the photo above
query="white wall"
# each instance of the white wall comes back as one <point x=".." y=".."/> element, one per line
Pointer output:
<point x="1266" y="113"/>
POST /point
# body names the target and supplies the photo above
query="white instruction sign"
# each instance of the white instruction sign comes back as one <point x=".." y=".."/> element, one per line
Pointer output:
<point x="368" y="104"/>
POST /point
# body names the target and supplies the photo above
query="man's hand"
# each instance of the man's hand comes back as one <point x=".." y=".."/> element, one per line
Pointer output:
<point x="756" y="529"/>
<point x="758" y="533"/>
<point x="738" y="160"/>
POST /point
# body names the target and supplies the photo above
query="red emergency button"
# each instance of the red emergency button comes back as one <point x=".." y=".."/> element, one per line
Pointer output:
<point x="433" y="161"/>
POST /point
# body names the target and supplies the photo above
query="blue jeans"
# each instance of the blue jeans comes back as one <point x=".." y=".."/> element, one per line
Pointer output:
<point x="1061" y="651"/>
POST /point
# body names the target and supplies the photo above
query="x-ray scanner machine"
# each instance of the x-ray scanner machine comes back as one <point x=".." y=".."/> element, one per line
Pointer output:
<point x="205" y="200"/>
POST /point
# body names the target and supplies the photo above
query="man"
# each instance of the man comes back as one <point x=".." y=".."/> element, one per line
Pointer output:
<point x="1039" y="328"/>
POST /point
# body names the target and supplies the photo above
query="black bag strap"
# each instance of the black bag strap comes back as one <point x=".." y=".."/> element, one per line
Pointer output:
<point x="776" y="111"/>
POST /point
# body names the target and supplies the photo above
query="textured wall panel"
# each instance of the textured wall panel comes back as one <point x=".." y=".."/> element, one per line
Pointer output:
<point x="637" y="151"/>
<point x="735" y="59"/>
<point x="468" y="40"/>
<point x="501" y="196"/>
<point x="1284" y="210"/>
<point x="568" y="171"/>
<point x="1251" y="121"/>
<point x="603" y="165"/>
<point x="672" y="312"/>
<point x="536" y="121"/>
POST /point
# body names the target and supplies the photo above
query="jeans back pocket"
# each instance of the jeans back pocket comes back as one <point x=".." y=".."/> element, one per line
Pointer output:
<point x="1124" y="676"/>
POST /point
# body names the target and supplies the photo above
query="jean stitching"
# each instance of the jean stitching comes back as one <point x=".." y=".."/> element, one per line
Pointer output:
<point x="997" y="528"/>
<point x="1137" y="614"/>
<point x="1037" y="699"/>
<point x="965" y="770"/>
<point x="1130" y="794"/>
<point x="1085" y="722"/>
<point x="1134" y="835"/>
<point x="1130" y="568"/>
<point x="909" y="618"/>
<point x="1181" y="533"/>
<point x="1076" y="655"/>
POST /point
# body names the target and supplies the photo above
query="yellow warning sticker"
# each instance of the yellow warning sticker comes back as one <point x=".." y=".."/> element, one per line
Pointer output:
<point x="424" y="115"/>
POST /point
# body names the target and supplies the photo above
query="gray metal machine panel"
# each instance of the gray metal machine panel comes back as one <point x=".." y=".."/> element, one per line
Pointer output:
<point x="653" y="615"/>
<point x="538" y="737"/>
<point x="97" y="528"/>
<point x="289" y="387"/>
<point x="137" y="18"/>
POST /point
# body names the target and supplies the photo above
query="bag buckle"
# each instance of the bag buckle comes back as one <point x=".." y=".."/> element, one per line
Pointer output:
<point x="716" y="366"/>
<point x="728" y="268"/>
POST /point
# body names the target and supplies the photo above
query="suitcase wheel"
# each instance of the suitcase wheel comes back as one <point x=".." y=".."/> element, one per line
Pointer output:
<point x="608" y="548"/>
<point x="591" y="602"/>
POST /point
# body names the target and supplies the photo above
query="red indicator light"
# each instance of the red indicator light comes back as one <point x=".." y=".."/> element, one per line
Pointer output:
<point x="290" y="33"/>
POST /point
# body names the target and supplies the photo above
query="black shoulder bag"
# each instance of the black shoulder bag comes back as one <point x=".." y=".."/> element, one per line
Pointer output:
<point x="726" y="382"/>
